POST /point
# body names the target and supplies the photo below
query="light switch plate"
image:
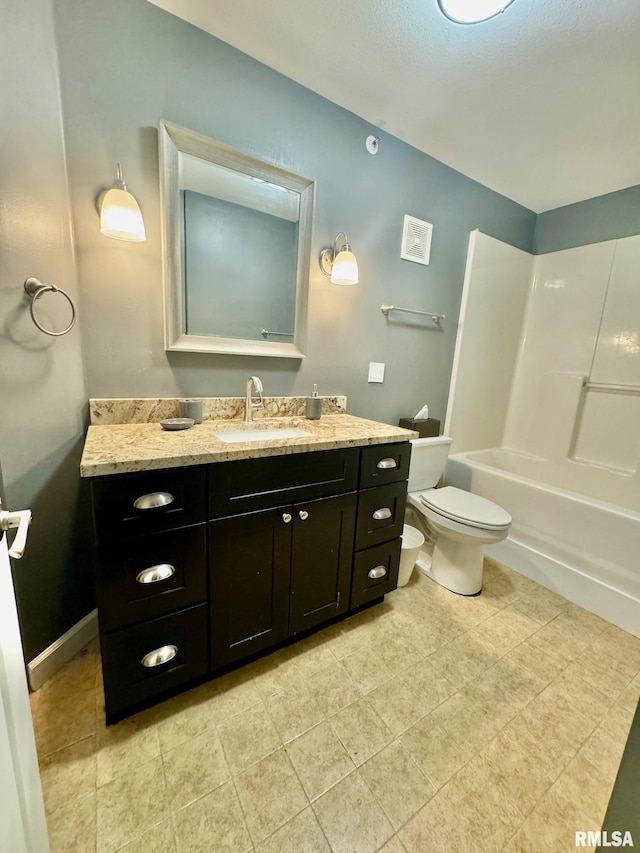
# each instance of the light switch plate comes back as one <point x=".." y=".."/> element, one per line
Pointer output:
<point x="376" y="371"/>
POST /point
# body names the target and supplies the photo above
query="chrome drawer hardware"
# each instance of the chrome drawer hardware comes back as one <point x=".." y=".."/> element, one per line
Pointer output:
<point x="154" y="500"/>
<point x="387" y="463"/>
<point x="382" y="513"/>
<point x="377" y="572"/>
<point x="286" y="517"/>
<point x="159" y="656"/>
<point x="304" y="515"/>
<point x="153" y="574"/>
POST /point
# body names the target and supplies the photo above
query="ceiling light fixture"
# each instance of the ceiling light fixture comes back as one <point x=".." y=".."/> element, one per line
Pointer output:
<point x="472" y="11"/>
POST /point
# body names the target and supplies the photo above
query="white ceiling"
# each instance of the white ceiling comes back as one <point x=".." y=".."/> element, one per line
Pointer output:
<point x="541" y="103"/>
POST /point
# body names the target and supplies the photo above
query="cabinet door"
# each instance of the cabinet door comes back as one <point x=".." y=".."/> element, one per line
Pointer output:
<point x="322" y="553"/>
<point x="249" y="558"/>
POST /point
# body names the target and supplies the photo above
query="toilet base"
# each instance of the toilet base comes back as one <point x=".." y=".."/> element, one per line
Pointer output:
<point x="455" y="565"/>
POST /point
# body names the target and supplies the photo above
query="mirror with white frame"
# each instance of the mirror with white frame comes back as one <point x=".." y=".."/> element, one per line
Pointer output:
<point x="237" y="238"/>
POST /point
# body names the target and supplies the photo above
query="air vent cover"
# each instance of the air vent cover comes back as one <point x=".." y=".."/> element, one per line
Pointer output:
<point x="416" y="240"/>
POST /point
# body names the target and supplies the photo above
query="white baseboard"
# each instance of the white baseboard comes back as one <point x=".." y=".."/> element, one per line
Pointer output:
<point x="42" y="667"/>
<point x="605" y="601"/>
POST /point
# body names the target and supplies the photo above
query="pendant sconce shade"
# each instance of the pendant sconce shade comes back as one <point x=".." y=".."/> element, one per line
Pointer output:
<point x="340" y="264"/>
<point x="472" y="11"/>
<point x="120" y="215"/>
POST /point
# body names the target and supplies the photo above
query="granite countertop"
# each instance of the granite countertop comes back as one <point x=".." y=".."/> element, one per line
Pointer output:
<point x="124" y="448"/>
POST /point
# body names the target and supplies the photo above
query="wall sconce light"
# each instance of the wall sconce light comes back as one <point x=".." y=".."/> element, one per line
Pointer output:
<point x="472" y="11"/>
<point x="340" y="265"/>
<point x="120" y="215"/>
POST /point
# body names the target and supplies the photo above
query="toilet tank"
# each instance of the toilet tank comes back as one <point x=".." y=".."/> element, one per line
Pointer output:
<point x="428" y="458"/>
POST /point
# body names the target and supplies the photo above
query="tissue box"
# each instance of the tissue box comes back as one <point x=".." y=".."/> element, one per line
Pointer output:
<point x="425" y="429"/>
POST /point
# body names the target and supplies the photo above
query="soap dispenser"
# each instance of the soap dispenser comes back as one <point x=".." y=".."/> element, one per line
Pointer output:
<point x="314" y="405"/>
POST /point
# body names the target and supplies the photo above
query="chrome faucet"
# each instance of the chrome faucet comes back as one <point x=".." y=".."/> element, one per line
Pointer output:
<point x="254" y="386"/>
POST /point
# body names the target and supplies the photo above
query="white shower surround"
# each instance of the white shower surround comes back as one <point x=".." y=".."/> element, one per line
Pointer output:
<point x="585" y="549"/>
<point x="563" y="458"/>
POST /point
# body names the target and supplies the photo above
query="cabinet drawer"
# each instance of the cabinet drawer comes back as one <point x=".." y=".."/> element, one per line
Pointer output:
<point x="375" y="572"/>
<point x="134" y="504"/>
<point x="380" y="514"/>
<point x="132" y="658"/>
<point x="251" y="484"/>
<point x="384" y="463"/>
<point x="140" y="578"/>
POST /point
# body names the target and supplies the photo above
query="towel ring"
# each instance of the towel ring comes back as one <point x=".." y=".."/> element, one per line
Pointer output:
<point x="34" y="290"/>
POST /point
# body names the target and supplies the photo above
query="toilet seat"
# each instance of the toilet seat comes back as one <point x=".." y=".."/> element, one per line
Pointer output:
<point x="466" y="508"/>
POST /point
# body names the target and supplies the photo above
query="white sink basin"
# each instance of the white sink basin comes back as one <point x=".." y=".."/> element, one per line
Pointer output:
<point x="261" y="434"/>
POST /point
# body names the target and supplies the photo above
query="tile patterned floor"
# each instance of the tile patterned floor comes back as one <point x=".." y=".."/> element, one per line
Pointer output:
<point x="429" y="723"/>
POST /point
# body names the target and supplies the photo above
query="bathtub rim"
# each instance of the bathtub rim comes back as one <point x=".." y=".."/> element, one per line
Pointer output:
<point x="466" y="455"/>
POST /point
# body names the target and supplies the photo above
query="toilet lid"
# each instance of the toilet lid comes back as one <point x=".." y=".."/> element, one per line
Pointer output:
<point x="466" y="508"/>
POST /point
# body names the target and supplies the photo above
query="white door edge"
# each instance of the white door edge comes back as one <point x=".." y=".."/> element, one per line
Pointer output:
<point x="23" y="826"/>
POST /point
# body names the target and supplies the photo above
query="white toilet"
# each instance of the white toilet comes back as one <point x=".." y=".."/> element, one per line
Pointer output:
<point x="460" y="523"/>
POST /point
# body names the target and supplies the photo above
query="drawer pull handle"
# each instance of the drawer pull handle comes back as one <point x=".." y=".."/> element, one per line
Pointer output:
<point x="159" y="656"/>
<point x="378" y="572"/>
<point x="286" y="517"/>
<point x="304" y="515"/>
<point x="154" y="574"/>
<point x="382" y="513"/>
<point x="389" y="462"/>
<point x="154" y="500"/>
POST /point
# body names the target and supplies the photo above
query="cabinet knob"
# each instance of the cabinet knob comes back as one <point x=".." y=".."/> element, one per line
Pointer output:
<point x="377" y="572"/>
<point x="382" y="513"/>
<point x="389" y="462"/>
<point x="304" y="515"/>
<point x="154" y="500"/>
<point x="153" y="574"/>
<point x="159" y="656"/>
<point x="286" y="517"/>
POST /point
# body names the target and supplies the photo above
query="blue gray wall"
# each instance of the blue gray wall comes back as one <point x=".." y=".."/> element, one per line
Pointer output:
<point x="606" y="217"/>
<point x="42" y="392"/>
<point x="127" y="64"/>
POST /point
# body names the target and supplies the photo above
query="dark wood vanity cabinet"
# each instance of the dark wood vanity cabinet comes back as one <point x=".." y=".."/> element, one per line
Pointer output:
<point x="382" y="483"/>
<point x="150" y="571"/>
<point x="277" y="572"/>
<point x="202" y="567"/>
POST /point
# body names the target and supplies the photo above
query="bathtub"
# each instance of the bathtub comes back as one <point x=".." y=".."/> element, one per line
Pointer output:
<point x="586" y="549"/>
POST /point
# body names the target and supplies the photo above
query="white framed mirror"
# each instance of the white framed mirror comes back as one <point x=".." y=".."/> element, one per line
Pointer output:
<point x="236" y="246"/>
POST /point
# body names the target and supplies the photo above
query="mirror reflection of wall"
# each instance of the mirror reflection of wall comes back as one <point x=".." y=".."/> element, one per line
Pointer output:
<point x="237" y="235"/>
<point x="239" y="268"/>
